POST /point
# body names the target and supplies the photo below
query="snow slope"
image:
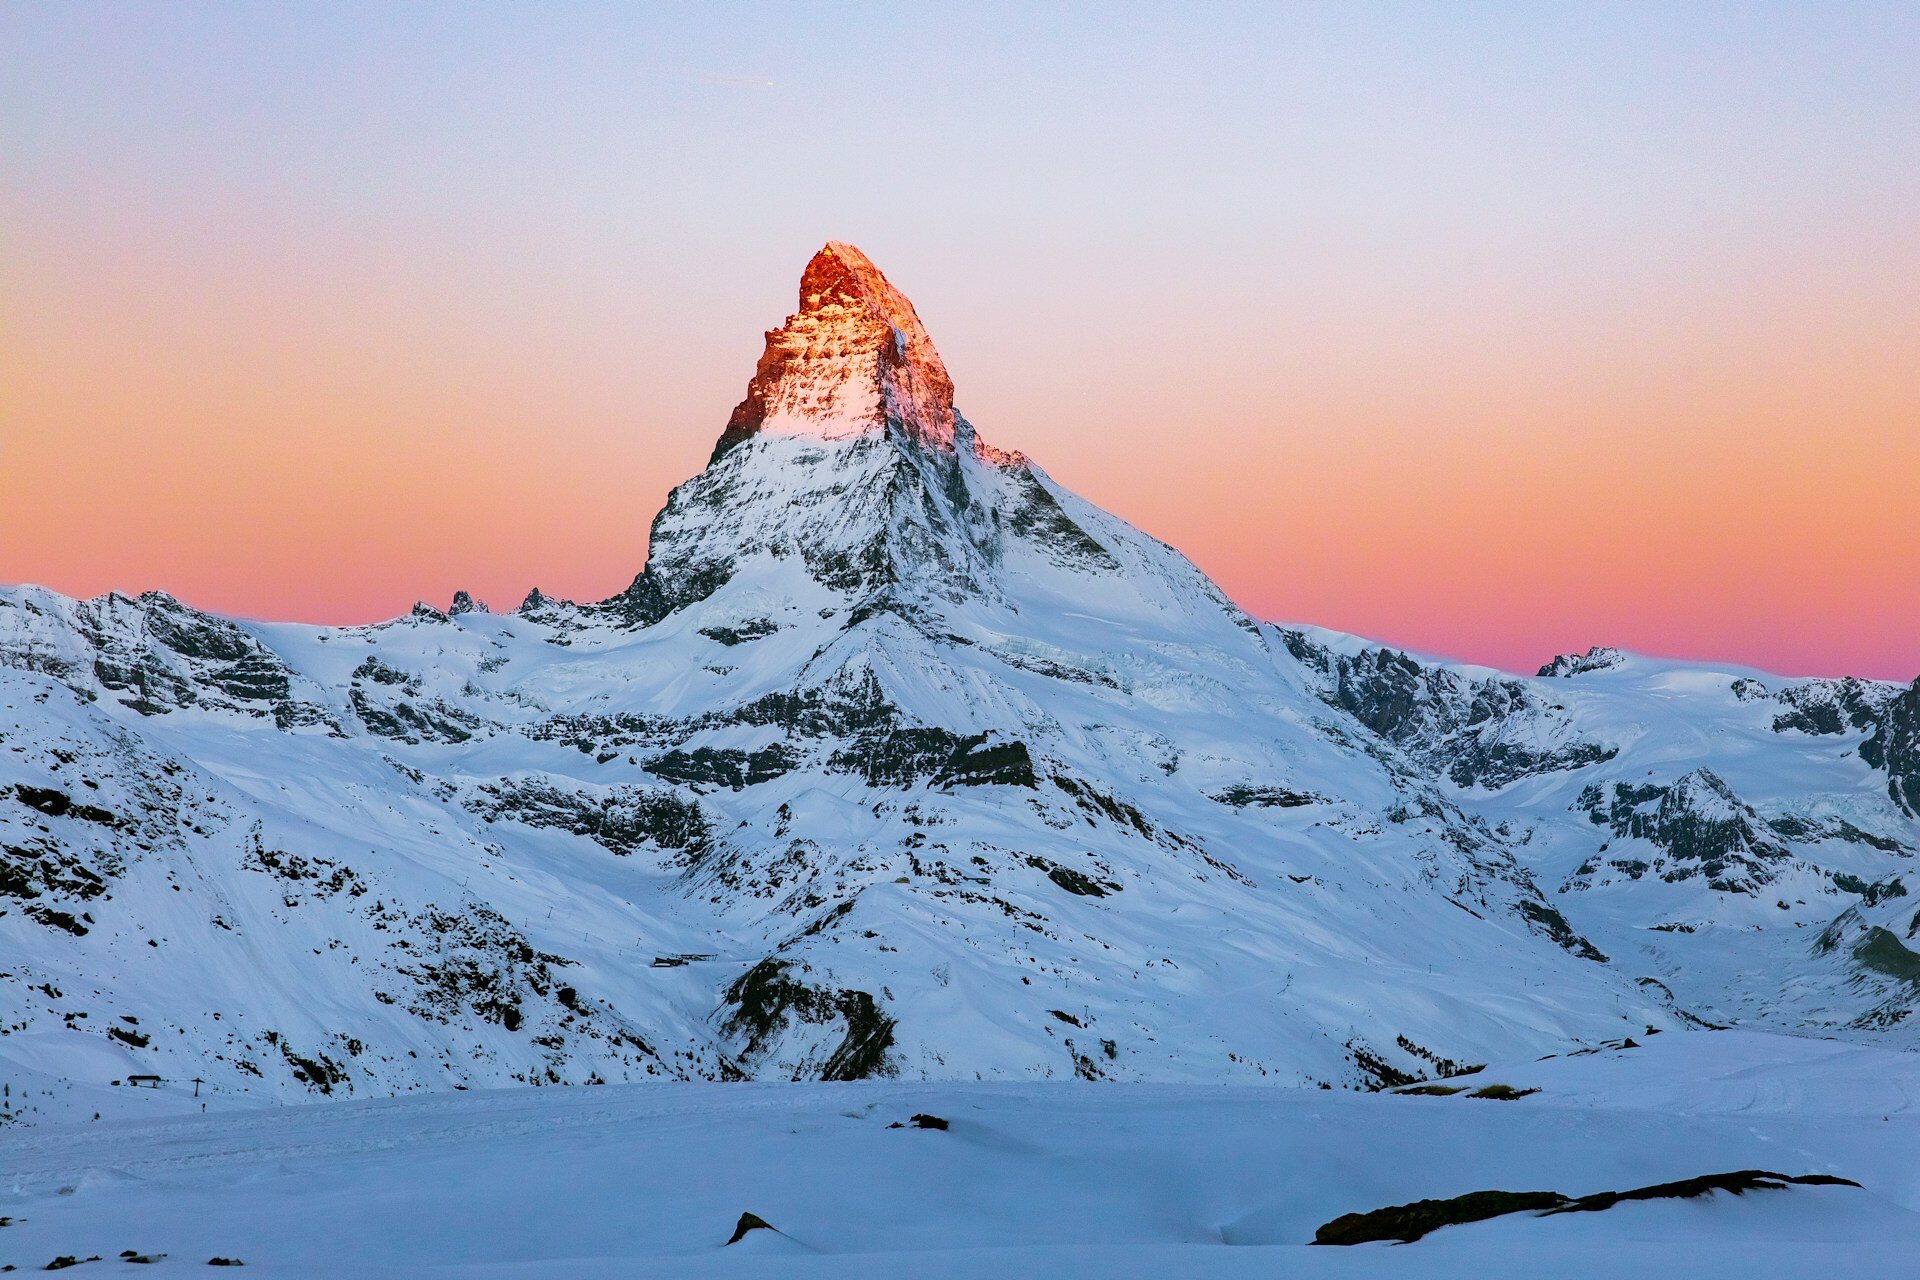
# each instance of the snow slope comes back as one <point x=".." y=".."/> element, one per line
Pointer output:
<point x="1067" y="1179"/>
<point x="899" y="760"/>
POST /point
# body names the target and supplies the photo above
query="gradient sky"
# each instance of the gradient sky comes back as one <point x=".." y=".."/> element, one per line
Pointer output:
<point x="1492" y="330"/>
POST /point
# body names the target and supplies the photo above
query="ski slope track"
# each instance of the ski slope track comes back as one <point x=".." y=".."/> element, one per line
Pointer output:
<point x="898" y="760"/>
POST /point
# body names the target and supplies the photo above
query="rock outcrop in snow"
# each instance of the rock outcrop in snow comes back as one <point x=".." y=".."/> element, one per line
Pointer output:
<point x="1598" y="658"/>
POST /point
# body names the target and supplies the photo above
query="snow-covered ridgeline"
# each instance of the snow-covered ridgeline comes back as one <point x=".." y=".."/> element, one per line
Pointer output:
<point x="899" y="759"/>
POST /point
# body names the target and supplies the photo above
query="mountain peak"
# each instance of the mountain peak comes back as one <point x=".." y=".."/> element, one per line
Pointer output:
<point x="853" y="359"/>
<point x="840" y="275"/>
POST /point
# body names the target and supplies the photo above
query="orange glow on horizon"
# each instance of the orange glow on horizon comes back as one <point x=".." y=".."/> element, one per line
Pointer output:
<point x="1492" y="340"/>
<point x="336" y="474"/>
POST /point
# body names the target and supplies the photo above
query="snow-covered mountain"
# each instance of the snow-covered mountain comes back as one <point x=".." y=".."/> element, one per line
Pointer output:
<point x="897" y="758"/>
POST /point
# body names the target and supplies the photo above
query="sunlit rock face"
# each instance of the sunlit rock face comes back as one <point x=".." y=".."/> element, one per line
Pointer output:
<point x="854" y="358"/>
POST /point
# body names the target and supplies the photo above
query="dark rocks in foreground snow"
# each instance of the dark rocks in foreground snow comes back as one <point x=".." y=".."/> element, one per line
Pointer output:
<point x="749" y="1222"/>
<point x="1409" y="1222"/>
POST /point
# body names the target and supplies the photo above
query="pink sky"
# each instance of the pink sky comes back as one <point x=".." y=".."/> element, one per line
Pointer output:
<point x="1542" y="341"/>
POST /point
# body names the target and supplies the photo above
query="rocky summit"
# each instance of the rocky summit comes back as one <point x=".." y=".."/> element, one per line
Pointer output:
<point x="898" y="759"/>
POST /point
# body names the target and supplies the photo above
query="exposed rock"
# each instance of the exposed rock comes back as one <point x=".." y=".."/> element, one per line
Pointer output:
<point x="1895" y="747"/>
<point x="767" y="1000"/>
<point x="1265" y="797"/>
<point x="743" y="633"/>
<point x="1598" y="658"/>
<point x="723" y="767"/>
<point x="749" y="1222"/>
<point x="622" y="819"/>
<point x="906" y="757"/>
<point x="1825" y="707"/>
<point x="1482" y="733"/>
<point x="853" y="358"/>
<point x="1874" y="950"/>
<point x="1697" y="825"/>
<point x="159" y="656"/>
<point x="1409" y="1222"/>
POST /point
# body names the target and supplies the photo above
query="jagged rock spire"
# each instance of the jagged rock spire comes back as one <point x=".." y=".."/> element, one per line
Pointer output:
<point x="854" y="358"/>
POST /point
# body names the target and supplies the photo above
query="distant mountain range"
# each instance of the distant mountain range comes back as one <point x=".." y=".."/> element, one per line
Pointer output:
<point x="900" y="759"/>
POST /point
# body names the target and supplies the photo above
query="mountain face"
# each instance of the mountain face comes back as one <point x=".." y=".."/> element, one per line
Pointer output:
<point x="899" y="759"/>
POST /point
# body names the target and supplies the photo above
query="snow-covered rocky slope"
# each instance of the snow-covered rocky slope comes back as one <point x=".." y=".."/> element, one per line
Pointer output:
<point x="898" y="759"/>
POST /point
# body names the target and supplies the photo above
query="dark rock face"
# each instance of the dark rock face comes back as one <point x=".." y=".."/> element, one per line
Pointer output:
<point x="911" y="756"/>
<point x="1263" y="797"/>
<point x="882" y="513"/>
<point x="1548" y="921"/>
<point x="745" y="633"/>
<point x="45" y="868"/>
<point x="404" y="721"/>
<point x="621" y="819"/>
<point x="844" y="705"/>
<point x="767" y="998"/>
<point x="1409" y="1222"/>
<point x="1701" y="827"/>
<point x="1874" y="950"/>
<point x="1895" y="747"/>
<point x="1872" y="893"/>
<point x="390" y="704"/>
<point x="547" y="610"/>
<point x="1878" y="962"/>
<point x="67" y="842"/>
<point x="723" y="767"/>
<point x="1040" y="518"/>
<point x="58" y="804"/>
<point x="1824" y="707"/>
<point x="1480" y="733"/>
<point x="1598" y="658"/>
<point x="1807" y="831"/>
<point x="163" y="656"/>
<point x="461" y="966"/>
<point x="749" y="1222"/>
<point x="1887" y="714"/>
<point x="1075" y="882"/>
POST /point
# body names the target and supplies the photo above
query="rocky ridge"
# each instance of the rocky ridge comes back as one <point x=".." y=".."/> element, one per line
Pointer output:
<point x="898" y="758"/>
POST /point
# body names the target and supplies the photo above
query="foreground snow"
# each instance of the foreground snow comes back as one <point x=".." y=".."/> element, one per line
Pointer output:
<point x="1031" y="1179"/>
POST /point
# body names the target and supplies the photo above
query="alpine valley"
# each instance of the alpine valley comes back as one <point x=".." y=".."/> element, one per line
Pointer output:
<point x="897" y="759"/>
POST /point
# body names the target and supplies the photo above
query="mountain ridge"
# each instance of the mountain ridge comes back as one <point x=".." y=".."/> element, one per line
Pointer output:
<point x="899" y="758"/>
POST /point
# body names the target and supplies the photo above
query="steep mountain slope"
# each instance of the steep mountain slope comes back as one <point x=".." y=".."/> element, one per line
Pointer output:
<point x="896" y="758"/>
<point x="1738" y="839"/>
